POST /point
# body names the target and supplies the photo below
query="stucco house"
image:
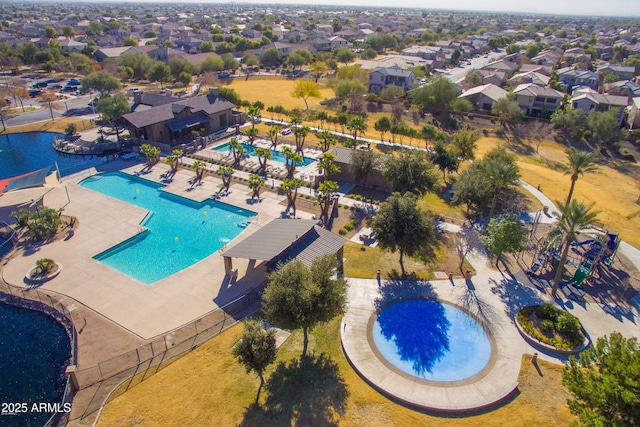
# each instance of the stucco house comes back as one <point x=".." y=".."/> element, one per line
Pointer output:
<point x="587" y="101"/>
<point x="571" y="78"/>
<point x="385" y="76"/>
<point x="483" y="97"/>
<point x="536" y="100"/>
<point x="623" y="73"/>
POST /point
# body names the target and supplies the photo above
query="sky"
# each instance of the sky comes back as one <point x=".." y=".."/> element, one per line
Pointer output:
<point x="625" y="8"/>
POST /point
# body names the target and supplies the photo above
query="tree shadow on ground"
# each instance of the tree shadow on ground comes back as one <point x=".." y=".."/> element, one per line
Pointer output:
<point x="308" y="391"/>
<point x="514" y="294"/>
<point x="396" y="289"/>
<point x="481" y="309"/>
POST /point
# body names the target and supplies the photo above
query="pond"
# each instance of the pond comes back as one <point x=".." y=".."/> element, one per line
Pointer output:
<point x="21" y="153"/>
<point x="34" y="353"/>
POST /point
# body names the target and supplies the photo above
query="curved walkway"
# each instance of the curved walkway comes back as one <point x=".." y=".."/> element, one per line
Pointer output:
<point x="492" y="296"/>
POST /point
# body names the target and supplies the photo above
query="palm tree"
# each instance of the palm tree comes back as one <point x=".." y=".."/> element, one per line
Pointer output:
<point x="291" y="160"/>
<point x="254" y="114"/>
<point x="273" y="135"/>
<point x="226" y="172"/>
<point x="327" y="139"/>
<point x="356" y="124"/>
<point x="580" y="162"/>
<point x="290" y="187"/>
<point x="174" y="160"/>
<point x="574" y="217"/>
<point x="236" y="148"/>
<point x="263" y="155"/>
<point x="256" y="182"/>
<point x="300" y="135"/>
<point x="327" y="166"/>
<point x="198" y="166"/>
<point x="326" y="190"/>
<point x="251" y="133"/>
<point x="500" y="175"/>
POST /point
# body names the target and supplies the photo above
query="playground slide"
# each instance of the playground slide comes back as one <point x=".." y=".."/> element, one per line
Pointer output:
<point x="580" y="274"/>
<point x="584" y="242"/>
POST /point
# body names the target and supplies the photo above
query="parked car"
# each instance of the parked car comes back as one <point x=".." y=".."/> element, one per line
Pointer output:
<point x="74" y="82"/>
<point x="223" y="74"/>
<point x="39" y="84"/>
<point x="34" y="92"/>
<point x="286" y="132"/>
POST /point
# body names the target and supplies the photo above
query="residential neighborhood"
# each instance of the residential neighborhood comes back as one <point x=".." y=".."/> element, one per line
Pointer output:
<point x="243" y="214"/>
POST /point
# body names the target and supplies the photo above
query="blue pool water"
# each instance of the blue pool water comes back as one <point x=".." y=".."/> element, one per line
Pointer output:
<point x="26" y="152"/>
<point x="276" y="156"/>
<point x="35" y="353"/>
<point x="431" y="340"/>
<point x="180" y="231"/>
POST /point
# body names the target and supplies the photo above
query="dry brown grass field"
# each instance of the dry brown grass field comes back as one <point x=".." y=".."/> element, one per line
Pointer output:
<point x="208" y="387"/>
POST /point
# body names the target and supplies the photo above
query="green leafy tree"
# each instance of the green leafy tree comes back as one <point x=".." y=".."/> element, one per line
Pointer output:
<point x="256" y="349"/>
<point x="571" y="120"/>
<point x="326" y="191"/>
<point x="290" y="187"/>
<point x="445" y="159"/>
<point x="271" y="57"/>
<point x="211" y="64"/>
<point x="305" y="89"/>
<point x="505" y="235"/>
<point x="113" y="107"/>
<point x="185" y="78"/>
<point x="256" y="182"/>
<point x="344" y="54"/>
<point x="579" y="163"/>
<point x="604" y="125"/>
<point x="430" y="133"/>
<point x="465" y="142"/>
<point x="161" y="73"/>
<point x="299" y="297"/>
<point x="382" y="125"/>
<point x="392" y="93"/>
<point x="604" y="383"/>
<point x="506" y="109"/>
<point x="472" y="189"/>
<point x="130" y="41"/>
<point x="410" y="172"/>
<point x="401" y="226"/>
<point x="318" y="69"/>
<point x="101" y="81"/>
<point x="574" y="217"/>
<point x="139" y="62"/>
<point x="363" y="163"/>
<point x="436" y="95"/>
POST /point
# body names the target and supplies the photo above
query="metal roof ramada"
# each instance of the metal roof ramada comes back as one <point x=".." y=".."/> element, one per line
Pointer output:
<point x="271" y="240"/>
<point x="316" y="243"/>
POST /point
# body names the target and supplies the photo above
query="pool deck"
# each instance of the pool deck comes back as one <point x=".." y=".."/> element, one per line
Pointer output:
<point x="144" y="310"/>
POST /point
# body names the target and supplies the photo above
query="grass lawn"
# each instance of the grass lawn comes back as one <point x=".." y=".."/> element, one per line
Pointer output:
<point x="208" y="387"/>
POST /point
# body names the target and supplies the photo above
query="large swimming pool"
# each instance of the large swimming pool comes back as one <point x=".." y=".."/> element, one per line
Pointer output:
<point x="26" y="152"/>
<point x="276" y="156"/>
<point x="431" y="340"/>
<point x="180" y="232"/>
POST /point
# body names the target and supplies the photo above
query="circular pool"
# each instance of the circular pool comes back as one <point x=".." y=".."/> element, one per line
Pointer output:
<point x="431" y="340"/>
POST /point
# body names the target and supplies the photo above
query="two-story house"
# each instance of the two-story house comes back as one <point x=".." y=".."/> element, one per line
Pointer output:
<point x="623" y="73"/>
<point x="482" y="97"/>
<point x="589" y="100"/>
<point x="537" y="100"/>
<point x="573" y="78"/>
<point x="385" y="76"/>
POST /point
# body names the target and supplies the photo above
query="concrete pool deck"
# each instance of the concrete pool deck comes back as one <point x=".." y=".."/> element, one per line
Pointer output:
<point x="144" y="310"/>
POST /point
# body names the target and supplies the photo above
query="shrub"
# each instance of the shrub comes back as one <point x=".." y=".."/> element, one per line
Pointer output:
<point x="568" y="325"/>
<point x="616" y="146"/>
<point x="547" y="311"/>
<point x="547" y="326"/>
<point x="629" y="156"/>
<point x="342" y="232"/>
<point x="350" y="225"/>
<point x="44" y="266"/>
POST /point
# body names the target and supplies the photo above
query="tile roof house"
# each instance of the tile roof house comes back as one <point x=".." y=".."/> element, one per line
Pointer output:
<point x="599" y="102"/>
<point x="483" y="97"/>
<point x="172" y="121"/>
<point x="623" y="73"/>
<point x="536" y="100"/>
<point x="571" y="78"/>
<point x="529" y="77"/>
<point x="385" y="76"/>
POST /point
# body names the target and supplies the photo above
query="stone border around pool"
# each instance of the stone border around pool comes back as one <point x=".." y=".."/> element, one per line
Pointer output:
<point x="536" y="343"/>
<point x="483" y="372"/>
<point x="481" y="393"/>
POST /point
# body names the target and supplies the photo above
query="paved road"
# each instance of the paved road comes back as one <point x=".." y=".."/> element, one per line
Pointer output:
<point x="73" y="106"/>
<point x="459" y="73"/>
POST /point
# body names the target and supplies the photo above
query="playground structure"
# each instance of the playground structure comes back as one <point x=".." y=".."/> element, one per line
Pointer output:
<point x="587" y="256"/>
